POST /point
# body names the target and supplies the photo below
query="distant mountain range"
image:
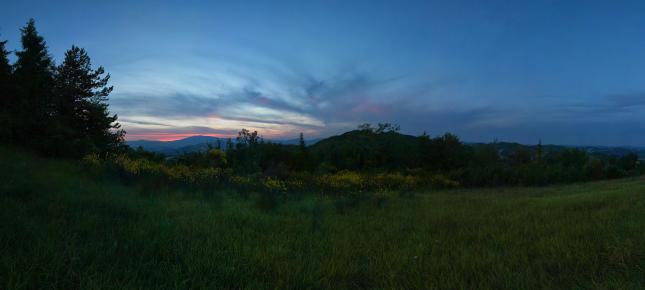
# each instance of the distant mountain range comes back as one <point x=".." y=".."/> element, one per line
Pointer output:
<point x="200" y="143"/>
<point x="195" y="143"/>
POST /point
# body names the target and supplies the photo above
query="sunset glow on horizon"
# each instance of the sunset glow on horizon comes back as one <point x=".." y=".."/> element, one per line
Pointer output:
<point x="167" y="137"/>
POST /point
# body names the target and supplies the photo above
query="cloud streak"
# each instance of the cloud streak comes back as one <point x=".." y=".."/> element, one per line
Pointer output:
<point x="295" y="101"/>
<point x="292" y="101"/>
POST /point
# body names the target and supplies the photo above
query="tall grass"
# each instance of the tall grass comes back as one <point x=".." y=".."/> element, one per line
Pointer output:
<point x="61" y="228"/>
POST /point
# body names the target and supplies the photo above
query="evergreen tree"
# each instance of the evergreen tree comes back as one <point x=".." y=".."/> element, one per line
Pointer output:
<point x="33" y="75"/>
<point x="102" y="128"/>
<point x="5" y="75"/>
<point x="84" y="123"/>
<point x="301" y="143"/>
<point x="302" y="160"/>
<point x="6" y="93"/>
<point x="539" y="152"/>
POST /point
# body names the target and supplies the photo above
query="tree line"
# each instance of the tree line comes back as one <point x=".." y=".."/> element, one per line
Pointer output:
<point x="382" y="150"/>
<point x="57" y="110"/>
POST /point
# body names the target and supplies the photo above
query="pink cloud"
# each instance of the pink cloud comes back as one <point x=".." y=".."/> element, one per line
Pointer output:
<point x="365" y="106"/>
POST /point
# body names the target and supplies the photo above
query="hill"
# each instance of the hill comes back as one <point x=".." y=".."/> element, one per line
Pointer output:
<point x="63" y="227"/>
<point x="357" y="148"/>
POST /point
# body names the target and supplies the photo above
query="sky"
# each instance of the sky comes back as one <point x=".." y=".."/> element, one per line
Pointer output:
<point x="563" y="72"/>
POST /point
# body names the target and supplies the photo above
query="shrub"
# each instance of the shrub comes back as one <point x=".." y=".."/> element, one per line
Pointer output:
<point x="442" y="181"/>
<point x="91" y="160"/>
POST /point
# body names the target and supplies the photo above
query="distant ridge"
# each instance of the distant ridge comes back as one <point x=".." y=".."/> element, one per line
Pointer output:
<point x="355" y="140"/>
<point x="195" y="143"/>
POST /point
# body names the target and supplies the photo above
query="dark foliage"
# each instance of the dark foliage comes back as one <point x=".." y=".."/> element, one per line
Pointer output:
<point x="7" y="96"/>
<point x="84" y="123"/>
<point x="33" y="76"/>
<point x="367" y="160"/>
<point x="56" y="110"/>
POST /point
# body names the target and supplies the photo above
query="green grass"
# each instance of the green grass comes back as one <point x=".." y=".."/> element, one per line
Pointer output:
<point x="62" y="229"/>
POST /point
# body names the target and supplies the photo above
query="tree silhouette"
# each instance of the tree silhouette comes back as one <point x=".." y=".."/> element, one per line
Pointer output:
<point x="5" y="74"/>
<point x="302" y="159"/>
<point x="33" y="77"/>
<point x="247" y="138"/>
<point x="6" y="93"/>
<point x="387" y="128"/>
<point x="366" y="127"/>
<point x="301" y="143"/>
<point x="539" y="152"/>
<point x="81" y="95"/>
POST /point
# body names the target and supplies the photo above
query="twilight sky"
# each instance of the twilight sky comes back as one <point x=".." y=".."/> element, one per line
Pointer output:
<point x="566" y="72"/>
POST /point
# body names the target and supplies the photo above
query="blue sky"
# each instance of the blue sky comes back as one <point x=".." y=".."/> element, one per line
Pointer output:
<point x="565" y="72"/>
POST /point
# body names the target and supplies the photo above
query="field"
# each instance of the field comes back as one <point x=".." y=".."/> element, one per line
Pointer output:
<point x="62" y="228"/>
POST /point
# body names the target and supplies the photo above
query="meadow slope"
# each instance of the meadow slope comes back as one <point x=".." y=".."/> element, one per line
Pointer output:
<point x="62" y="228"/>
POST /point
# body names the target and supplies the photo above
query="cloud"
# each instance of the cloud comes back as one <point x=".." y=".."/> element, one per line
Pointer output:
<point x="176" y="105"/>
<point x="144" y="123"/>
<point x="293" y="100"/>
<point x="629" y="100"/>
<point x="282" y="97"/>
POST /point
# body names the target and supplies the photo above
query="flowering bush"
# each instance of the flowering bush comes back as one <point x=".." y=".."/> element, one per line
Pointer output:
<point x="348" y="184"/>
<point x="341" y="182"/>
<point x="443" y="182"/>
<point x="274" y="186"/>
<point x="91" y="160"/>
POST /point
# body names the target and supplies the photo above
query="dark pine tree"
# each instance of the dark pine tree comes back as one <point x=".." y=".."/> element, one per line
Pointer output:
<point x="539" y="152"/>
<point x="84" y="123"/>
<point x="33" y="76"/>
<point x="5" y="75"/>
<point x="6" y="94"/>
<point x="302" y="159"/>
<point x="301" y="143"/>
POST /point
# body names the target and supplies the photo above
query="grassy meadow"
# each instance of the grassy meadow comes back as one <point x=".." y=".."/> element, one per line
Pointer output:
<point x="64" y="228"/>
